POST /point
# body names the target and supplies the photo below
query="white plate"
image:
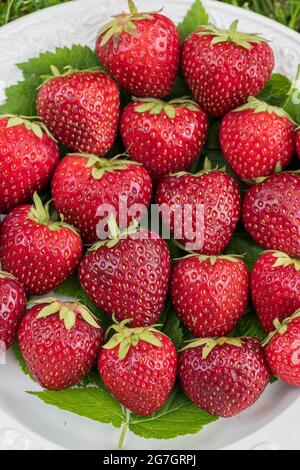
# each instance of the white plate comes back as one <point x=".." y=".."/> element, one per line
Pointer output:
<point x="25" y="422"/>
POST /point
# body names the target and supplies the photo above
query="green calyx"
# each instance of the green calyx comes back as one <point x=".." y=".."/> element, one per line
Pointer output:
<point x="67" y="70"/>
<point x="115" y="234"/>
<point x="40" y="215"/>
<point x="212" y="259"/>
<point x="259" y="106"/>
<point x="123" y="23"/>
<point x="210" y="343"/>
<point x="5" y="275"/>
<point x="282" y="259"/>
<point x="100" y="166"/>
<point x="207" y="168"/>
<point x="156" y="107"/>
<point x="280" y="328"/>
<point x="31" y="123"/>
<point x="126" y="337"/>
<point x="232" y="35"/>
<point x="67" y="312"/>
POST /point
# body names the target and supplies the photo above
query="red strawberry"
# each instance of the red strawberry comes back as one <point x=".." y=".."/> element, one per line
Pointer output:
<point x="282" y="349"/>
<point x="257" y="139"/>
<point x="60" y="342"/>
<point x="142" y="52"/>
<point x="165" y="137"/>
<point x="210" y="294"/>
<point x="83" y="183"/>
<point x="223" y="68"/>
<point x="298" y="143"/>
<point x="12" y="308"/>
<point x="139" y="366"/>
<point x="127" y="276"/>
<point x="81" y="109"/>
<point x="184" y="197"/>
<point x="39" y="252"/>
<point x="271" y="213"/>
<point x="28" y="157"/>
<point x="275" y="286"/>
<point x="223" y="376"/>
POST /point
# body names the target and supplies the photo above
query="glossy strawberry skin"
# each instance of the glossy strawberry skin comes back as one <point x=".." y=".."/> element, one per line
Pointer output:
<point x="253" y="143"/>
<point x="271" y="213"/>
<point x="39" y="258"/>
<point x="164" y="145"/>
<point x="142" y="381"/>
<point x="210" y="298"/>
<point x="146" y="64"/>
<point x="298" y="143"/>
<point x="26" y="164"/>
<point x="283" y="354"/>
<point x="219" y="194"/>
<point x="223" y="76"/>
<point x="77" y="195"/>
<point x="58" y="358"/>
<point x="81" y="110"/>
<point x="229" y="381"/>
<point x="129" y="280"/>
<point x="12" y="309"/>
<point x="275" y="291"/>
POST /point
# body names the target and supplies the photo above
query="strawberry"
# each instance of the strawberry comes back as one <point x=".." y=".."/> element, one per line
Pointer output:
<point x="41" y="253"/>
<point x="203" y="209"/>
<point x="298" y="143"/>
<point x="81" y="109"/>
<point x="142" y="52"/>
<point x="282" y="350"/>
<point x="84" y="183"/>
<point x="224" y="67"/>
<point x="12" y="308"/>
<point x="271" y="213"/>
<point x="139" y="366"/>
<point x="164" y="137"/>
<point x="127" y="276"/>
<point x="60" y="342"/>
<point x="275" y="286"/>
<point x="257" y="139"/>
<point x="223" y="376"/>
<point x="210" y="294"/>
<point x="28" y="157"/>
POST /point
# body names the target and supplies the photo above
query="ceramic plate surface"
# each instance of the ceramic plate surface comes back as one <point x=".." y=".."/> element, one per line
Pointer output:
<point x="25" y="422"/>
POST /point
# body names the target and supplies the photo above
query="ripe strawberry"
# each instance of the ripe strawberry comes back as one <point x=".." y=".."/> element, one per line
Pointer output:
<point x="28" y="157"/>
<point x="128" y="276"/>
<point x="210" y="294"/>
<point x="203" y="209"/>
<point x="81" y="109"/>
<point x="139" y="366"/>
<point x="223" y="68"/>
<point x="12" y="308"/>
<point x="282" y="350"/>
<point x="164" y="137"/>
<point x="271" y="213"/>
<point x="275" y="286"/>
<point x="83" y="183"/>
<point x="298" y="143"/>
<point x="257" y="139"/>
<point x="142" y="52"/>
<point x="223" y="376"/>
<point x="39" y="252"/>
<point x="60" y="342"/>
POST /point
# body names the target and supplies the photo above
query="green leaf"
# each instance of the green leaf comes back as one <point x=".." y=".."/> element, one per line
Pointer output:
<point x="19" y="356"/>
<point x="195" y="17"/>
<point x="292" y="103"/>
<point x="94" y="403"/>
<point x="178" y="417"/>
<point x="173" y="329"/>
<point x="249" y="325"/>
<point x="276" y="90"/>
<point x="21" y="98"/>
<point x="241" y="243"/>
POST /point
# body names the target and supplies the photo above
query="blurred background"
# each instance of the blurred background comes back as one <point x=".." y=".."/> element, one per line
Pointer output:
<point x="286" y="12"/>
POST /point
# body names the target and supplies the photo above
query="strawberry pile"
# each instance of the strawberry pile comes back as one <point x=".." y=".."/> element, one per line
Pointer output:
<point x="59" y="168"/>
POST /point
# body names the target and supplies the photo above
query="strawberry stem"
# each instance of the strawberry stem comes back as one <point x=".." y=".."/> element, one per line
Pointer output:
<point x="124" y="431"/>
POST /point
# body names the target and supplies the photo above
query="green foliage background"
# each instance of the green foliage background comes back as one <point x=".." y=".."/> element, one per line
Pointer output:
<point x="284" y="11"/>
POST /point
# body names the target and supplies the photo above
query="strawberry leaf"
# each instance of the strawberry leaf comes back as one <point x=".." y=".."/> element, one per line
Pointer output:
<point x="276" y="90"/>
<point x="178" y="417"/>
<point x="92" y="402"/>
<point x="242" y="244"/>
<point x="173" y="329"/>
<point x="19" y="356"/>
<point x="249" y="326"/>
<point x="195" y="17"/>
